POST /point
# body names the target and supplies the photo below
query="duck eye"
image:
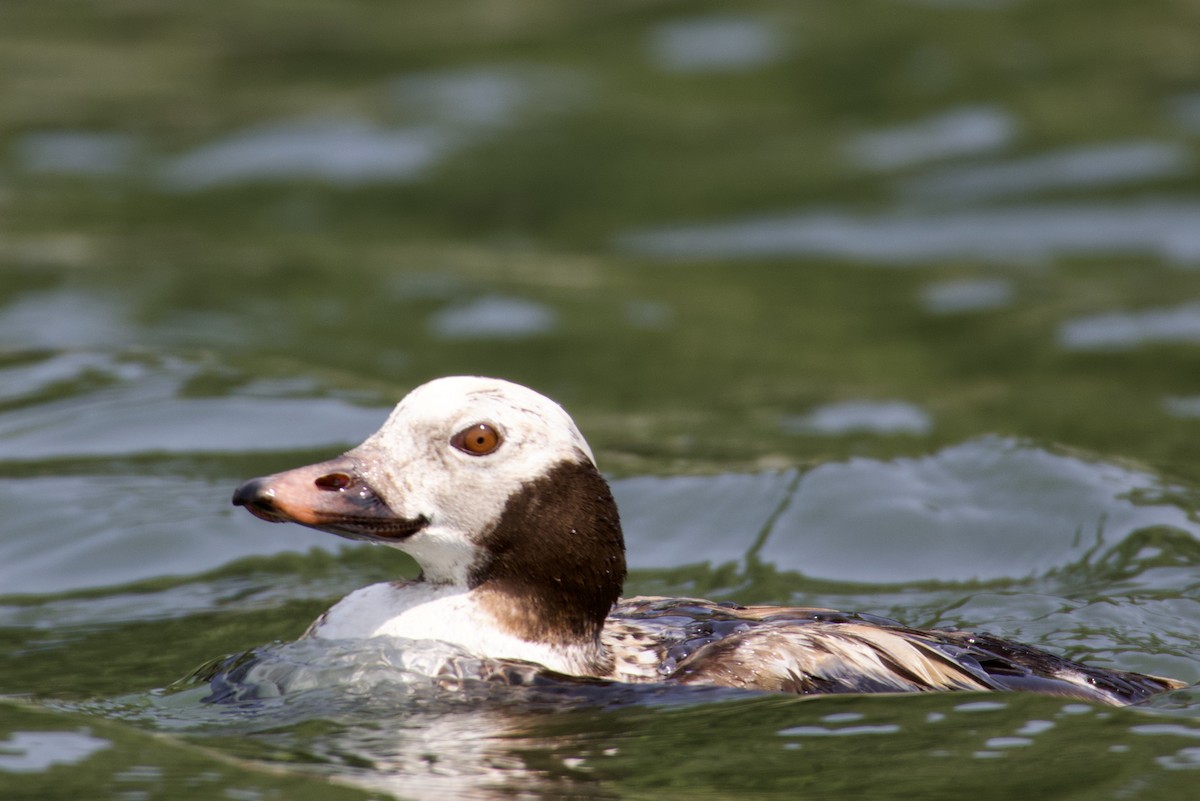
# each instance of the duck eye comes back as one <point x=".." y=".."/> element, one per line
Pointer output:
<point x="477" y="440"/>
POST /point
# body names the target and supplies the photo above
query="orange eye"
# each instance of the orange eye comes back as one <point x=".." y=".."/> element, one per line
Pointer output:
<point x="477" y="440"/>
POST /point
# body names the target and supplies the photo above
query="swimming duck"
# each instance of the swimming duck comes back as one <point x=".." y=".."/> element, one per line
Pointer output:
<point x="492" y="489"/>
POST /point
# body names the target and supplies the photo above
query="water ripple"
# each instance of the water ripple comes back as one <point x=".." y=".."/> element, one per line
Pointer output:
<point x="1031" y="233"/>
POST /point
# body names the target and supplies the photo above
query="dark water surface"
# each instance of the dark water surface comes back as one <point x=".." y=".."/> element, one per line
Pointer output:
<point x="890" y="306"/>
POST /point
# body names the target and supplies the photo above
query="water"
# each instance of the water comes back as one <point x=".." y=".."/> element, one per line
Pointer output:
<point x="686" y="227"/>
<point x="1030" y="233"/>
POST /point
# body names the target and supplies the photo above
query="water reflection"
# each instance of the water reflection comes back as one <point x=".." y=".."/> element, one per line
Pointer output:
<point x="443" y="113"/>
<point x="29" y="381"/>
<point x="385" y="725"/>
<point x="188" y="598"/>
<point x="80" y="407"/>
<point x="500" y="745"/>
<point x="479" y="97"/>
<point x="81" y="153"/>
<point x="969" y="131"/>
<point x="494" y="317"/>
<point x="1183" y="407"/>
<point x="688" y="519"/>
<point x="717" y="43"/>
<point x="103" y="530"/>
<point x="1022" y="234"/>
<point x="469" y="755"/>
<point x="1075" y="168"/>
<point x="105" y="406"/>
<point x="339" y="151"/>
<point x="1185" y="111"/>
<point x="987" y="5"/>
<point x="66" y="319"/>
<point x="1127" y="330"/>
<point x="985" y="509"/>
<point x="967" y="295"/>
<point x="876" y="417"/>
<point x="981" y="510"/>
<point x="37" y="751"/>
<point x="648" y="315"/>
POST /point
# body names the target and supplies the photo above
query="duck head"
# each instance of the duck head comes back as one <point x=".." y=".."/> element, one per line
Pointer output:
<point x="487" y="485"/>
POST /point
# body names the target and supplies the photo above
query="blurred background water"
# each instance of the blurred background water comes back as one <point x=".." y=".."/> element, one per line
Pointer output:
<point x="890" y="306"/>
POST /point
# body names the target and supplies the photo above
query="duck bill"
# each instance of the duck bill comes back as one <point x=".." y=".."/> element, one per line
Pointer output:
<point x="329" y="496"/>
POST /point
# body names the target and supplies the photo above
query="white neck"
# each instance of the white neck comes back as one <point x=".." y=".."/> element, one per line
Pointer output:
<point x="420" y="610"/>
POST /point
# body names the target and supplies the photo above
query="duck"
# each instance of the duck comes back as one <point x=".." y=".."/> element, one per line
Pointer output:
<point x="494" y="492"/>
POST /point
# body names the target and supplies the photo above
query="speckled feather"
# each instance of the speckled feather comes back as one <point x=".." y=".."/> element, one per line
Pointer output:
<point x="821" y="651"/>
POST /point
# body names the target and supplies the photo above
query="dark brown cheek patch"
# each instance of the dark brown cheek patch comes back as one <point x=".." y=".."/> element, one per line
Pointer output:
<point x="555" y="561"/>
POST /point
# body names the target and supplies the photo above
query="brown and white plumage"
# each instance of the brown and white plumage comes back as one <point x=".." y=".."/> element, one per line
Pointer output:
<point x="820" y="651"/>
<point x="493" y="490"/>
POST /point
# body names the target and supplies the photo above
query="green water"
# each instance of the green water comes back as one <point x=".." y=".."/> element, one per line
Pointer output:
<point x="887" y="306"/>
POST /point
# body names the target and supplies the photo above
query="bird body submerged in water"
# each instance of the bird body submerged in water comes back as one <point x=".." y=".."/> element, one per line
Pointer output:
<point x="495" y="493"/>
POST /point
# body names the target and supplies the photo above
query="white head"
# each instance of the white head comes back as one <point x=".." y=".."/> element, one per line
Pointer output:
<point x="418" y="471"/>
<point x="488" y="485"/>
